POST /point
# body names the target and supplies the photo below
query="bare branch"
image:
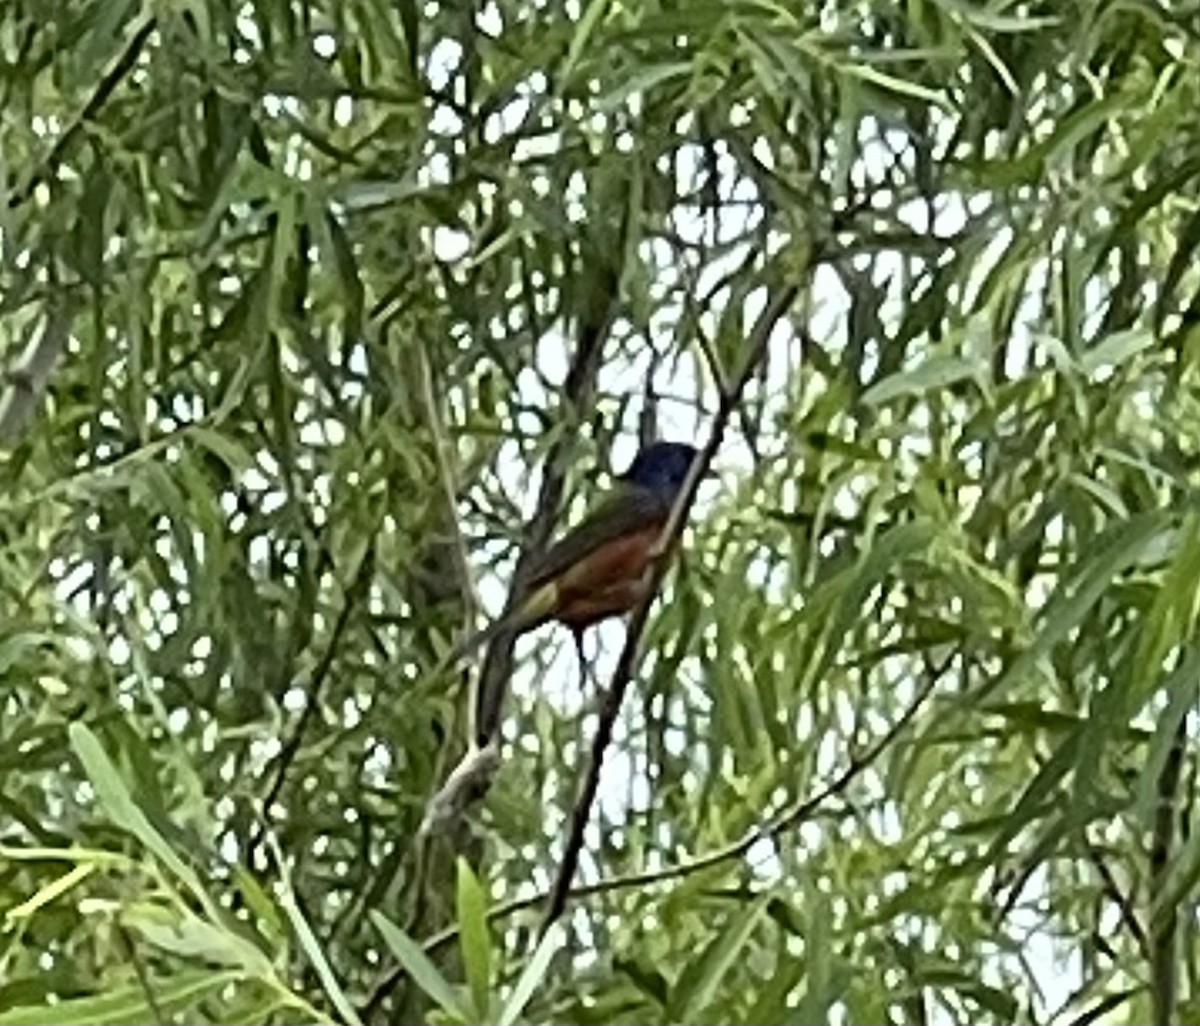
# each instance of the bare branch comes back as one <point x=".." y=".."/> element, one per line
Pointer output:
<point x="1119" y="898"/>
<point x="1164" y="925"/>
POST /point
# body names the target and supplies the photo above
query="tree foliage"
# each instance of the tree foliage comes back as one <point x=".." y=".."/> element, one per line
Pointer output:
<point x="316" y="314"/>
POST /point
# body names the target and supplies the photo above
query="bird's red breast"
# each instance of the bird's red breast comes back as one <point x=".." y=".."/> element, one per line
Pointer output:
<point x="608" y="581"/>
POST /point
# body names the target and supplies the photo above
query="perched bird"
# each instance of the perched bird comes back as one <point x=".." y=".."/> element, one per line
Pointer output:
<point x="601" y="568"/>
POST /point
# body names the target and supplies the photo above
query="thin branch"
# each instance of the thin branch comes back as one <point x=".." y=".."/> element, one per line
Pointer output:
<point x="1164" y="924"/>
<point x="1103" y="1007"/>
<point x="1119" y="898"/>
<point x="800" y="811"/>
<point x="627" y="663"/>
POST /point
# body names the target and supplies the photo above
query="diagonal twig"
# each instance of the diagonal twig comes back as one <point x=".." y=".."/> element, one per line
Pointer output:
<point x="1164" y="917"/>
<point x="1118" y="897"/>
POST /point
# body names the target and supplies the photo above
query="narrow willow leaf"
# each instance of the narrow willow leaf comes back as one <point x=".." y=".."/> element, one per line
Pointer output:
<point x="1000" y="1003"/>
<point x="124" y="1005"/>
<point x="231" y="452"/>
<point x="532" y="975"/>
<point x="181" y="933"/>
<point x="423" y="972"/>
<point x="19" y="644"/>
<point x="1117" y="549"/>
<point x="473" y="937"/>
<point x="1187" y="241"/>
<point x="316" y="955"/>
<point x="643" y="81"/>
<point x="592" y="16"/>
<point x="936" y="372"/>
<point x="114" y="797"/>
<point x="993" y="21"/>
<point x="1116" y="349"/>
<point x="353" y="292"/>
<point x="1182" y="687"/>
<point x="894" y="84"/>
<point x="51" y="891"/>
<point x="1038" y="798"/>
<point x="818" y="970"/>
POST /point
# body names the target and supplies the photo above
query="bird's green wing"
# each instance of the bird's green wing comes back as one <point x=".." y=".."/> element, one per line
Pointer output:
<point x="625" y="510"/>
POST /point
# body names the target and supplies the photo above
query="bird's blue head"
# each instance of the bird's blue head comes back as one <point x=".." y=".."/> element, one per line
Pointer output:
<point x="661" y="467"/>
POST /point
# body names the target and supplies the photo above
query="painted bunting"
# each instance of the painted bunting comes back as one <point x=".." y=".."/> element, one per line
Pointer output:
<point x="602" y="567"/>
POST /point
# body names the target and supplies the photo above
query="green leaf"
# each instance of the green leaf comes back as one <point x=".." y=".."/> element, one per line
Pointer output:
<point x="90" y="233"/>
<point x="19" y="644"/>
<point x="642" y="82"/>
<point x="473" y="938"/>
<point x="226" y="449"/>
<point x="259" y="902"/>
<point x="836" y="604"/>
<point x="1115" y="551"/>
<point x="178" y="931"/>
<point x="353" y="292"/>
<point x="1038" y="798"/>
<point x="936" y="372"/>
<point x="312" y="948"/>
<point x="1117" y="349"/>
<point x="894" y="84"/>
<point x="116" y="801"/>
<point x="1181" y="687"/>
<point x="1170" y="620"/>
<point x="946" y="976"/>
<point x="818" y="969"/>
<point x="592" y="16"/>
<point x="532" y="975"/>
<point x="993" y="21"/>
<point x="422" y="971"/>
<point x="52" y="890"/>
<point x="125" y="1005"/>
<point x="772" y="1008"/>
<point x="1187" y="240"/>
<point x="1068" y="133"/>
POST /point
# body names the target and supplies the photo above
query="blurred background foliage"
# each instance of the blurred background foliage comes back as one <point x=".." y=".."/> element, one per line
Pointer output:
<point x="308" y="306"/>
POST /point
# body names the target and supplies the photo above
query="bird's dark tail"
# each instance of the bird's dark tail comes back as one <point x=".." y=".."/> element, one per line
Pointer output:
<point x="491" y="689"/>
<point x="532" y="611"/>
